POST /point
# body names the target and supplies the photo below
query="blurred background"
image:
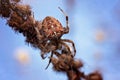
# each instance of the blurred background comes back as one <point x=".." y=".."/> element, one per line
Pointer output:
<point x="94" y="27"/>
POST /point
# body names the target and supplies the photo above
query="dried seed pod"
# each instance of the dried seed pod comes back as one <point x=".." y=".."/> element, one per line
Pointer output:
<point x="77" y="64"/>
<point x="22" y="10"/>
<point x="75" y="74"/>
<point x="15" y="1"/>
<point x="94" y="76"/>
<point x="59" y="65"/>
<point x="15" y="21"/>
<point x="5" y="8"/>
<point x="64" y="62"/>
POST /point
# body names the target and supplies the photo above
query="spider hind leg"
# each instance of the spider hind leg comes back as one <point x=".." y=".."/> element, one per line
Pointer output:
<point x="70" y="41"/>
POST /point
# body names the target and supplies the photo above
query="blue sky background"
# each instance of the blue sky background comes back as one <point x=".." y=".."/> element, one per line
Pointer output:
<point x="94" y="27"/>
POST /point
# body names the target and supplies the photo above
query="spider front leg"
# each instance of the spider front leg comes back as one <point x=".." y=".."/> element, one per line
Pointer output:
<point x="42" y="55"/>
<point x="44" y="51"/>
<point x="50" y="59"/>
<point x="57" y="53"/>
<point x="53" y="52"/>
<point x="70" y="41"/>
<point x="66" y="29"/>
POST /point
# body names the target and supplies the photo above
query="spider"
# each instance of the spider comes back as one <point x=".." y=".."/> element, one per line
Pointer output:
<point x="50" y="32"/>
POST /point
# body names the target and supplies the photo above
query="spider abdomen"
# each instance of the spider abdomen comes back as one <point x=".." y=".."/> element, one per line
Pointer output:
<point x="52" y="28"/>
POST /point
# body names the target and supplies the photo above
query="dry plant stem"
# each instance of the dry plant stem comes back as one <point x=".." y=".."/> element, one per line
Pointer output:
<point x="75" y="75"/>
<point x="46" y="36"/>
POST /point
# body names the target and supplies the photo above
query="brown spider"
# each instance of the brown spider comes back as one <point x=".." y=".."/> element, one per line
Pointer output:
<point x="52" y="28"/>
<point x="50" y="33"/>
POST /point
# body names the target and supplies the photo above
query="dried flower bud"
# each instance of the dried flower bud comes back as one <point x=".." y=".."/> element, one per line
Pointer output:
<point x="5" y="8"/>
<point x="77" y="64"/>
<point x="16" y="1"/>
<point x="23" y="10"/>
<point x="94" y="76"/>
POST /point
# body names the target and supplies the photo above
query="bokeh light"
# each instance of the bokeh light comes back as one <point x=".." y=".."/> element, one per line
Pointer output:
<point x="22" y="56"/>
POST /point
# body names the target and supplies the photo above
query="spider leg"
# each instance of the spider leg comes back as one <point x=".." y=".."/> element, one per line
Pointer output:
<point x="57" y="53"/>
<point x="49" y="60"/>
<point x="41" y="41"/>
<point x="70" y="41"/>
<point x="42" y="55"/>
<point x="38" y="34"/>
<point x="53" y="52"/>
<point x="65" y="45"/>
<point x="67" y="24"/>
<point x="44" y="51"/>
